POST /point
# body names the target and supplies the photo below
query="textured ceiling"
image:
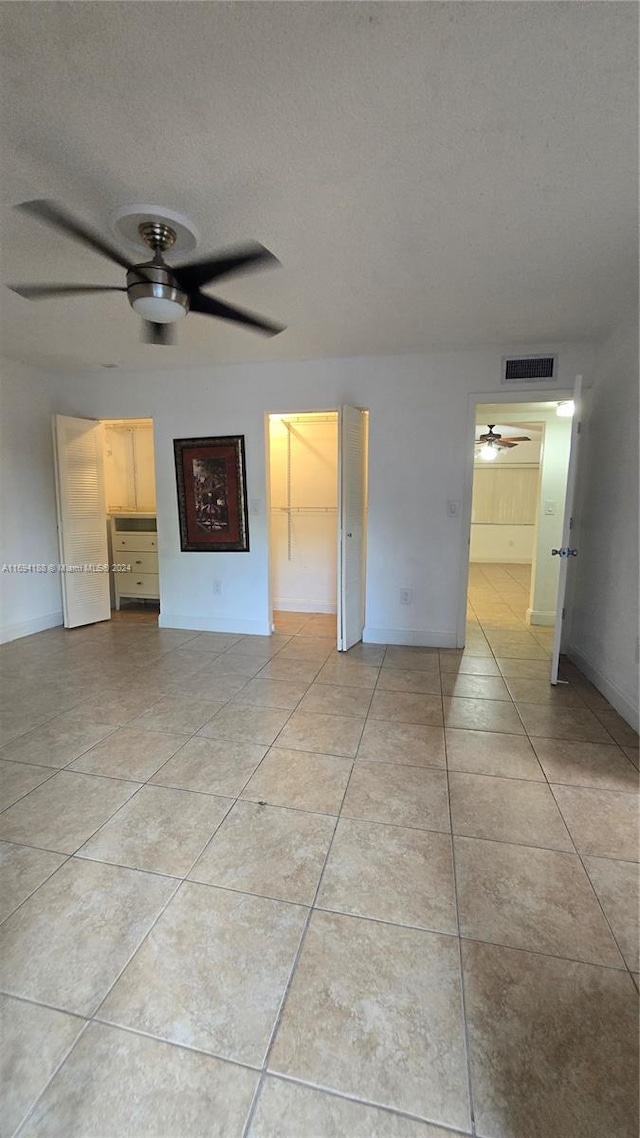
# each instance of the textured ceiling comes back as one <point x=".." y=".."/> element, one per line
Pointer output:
<point x="430" y="175"/>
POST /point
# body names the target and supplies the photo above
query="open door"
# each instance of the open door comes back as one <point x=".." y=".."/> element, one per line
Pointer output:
<point x="566" y="552"/>
<point x="352" y="524"/>
<point x="82" y="521"/>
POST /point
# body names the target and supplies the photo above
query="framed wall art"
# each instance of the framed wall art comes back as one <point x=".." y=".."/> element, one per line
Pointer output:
<point x="212" y="494"/>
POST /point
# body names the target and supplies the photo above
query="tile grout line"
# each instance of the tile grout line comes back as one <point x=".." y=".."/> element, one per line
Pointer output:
<point x="58" y="1068"/>
<point x="591" y="885"/>
<point x="463" y="1006"/>
<point x="297" y="957"/>
<point x="292" y="972"/>
<point x="455" y="1132"/>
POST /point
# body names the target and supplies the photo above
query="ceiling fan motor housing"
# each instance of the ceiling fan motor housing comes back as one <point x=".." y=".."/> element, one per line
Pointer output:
<point x="151" y="284"/>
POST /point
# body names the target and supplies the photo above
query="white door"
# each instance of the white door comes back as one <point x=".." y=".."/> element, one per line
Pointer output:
<point x="82" y="520"/>
<point x="566" y="553"/>
<point x="352" y="524"/>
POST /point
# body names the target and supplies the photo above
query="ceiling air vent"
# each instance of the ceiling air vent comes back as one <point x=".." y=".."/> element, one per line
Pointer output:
<point x="528" y="369"/>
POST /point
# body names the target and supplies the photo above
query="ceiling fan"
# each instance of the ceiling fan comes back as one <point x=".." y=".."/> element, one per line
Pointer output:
<point x="159" y="294"/>
<point x="489" y="444"/>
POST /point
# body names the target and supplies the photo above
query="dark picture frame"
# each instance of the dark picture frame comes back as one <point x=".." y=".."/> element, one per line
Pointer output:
<point x="212" y="494"/>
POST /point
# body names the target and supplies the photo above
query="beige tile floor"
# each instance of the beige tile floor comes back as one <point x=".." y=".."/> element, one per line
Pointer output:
<point x="251" y="887"/>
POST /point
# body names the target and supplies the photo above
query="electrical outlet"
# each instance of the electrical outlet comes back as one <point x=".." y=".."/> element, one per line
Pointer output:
<point x="217" y="588"/>
<point x="405" y="596"/>
<point x="255" y="507"/>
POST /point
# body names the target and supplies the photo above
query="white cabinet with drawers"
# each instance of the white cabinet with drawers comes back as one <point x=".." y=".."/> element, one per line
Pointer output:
<point x="134" y="542"/>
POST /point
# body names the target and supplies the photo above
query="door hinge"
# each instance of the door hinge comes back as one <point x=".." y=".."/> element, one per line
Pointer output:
<point x="570" y="523"/>
<point x="579" y="428"/>
<point x="564" y="611"/>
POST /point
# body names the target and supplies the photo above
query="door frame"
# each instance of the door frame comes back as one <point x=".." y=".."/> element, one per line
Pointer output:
<point x="335" y="410"/>
<point x="267" y="497"/>
<point x="531" y="395"/>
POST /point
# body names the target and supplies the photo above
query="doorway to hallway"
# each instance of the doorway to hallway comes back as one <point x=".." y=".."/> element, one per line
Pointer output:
<point x="516" y="515"/>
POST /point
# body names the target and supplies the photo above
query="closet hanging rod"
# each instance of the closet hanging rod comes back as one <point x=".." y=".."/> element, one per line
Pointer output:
<point x="304" y="509"/>
<point x="310" y="419"/>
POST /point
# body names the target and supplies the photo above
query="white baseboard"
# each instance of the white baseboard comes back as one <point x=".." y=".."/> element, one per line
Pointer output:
<point x="542" y="616"/>
<point x="215" y="624"/>
<point x="287" y="605"/>
<point x="623" y="705"/>
<point x="28" y="627"/>
<point x="418" y="638"/>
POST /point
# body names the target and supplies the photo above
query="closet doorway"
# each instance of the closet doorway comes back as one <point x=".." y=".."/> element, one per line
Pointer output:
<point x="130" y="498"/>
<point x="318" y="520"/>
<point x="107" y="533"/>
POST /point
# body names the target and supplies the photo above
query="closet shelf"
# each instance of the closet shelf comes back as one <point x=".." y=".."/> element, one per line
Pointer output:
<point x="304" y="509"/>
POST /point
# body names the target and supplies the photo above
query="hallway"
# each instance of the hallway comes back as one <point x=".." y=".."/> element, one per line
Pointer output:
<point x="251" y="886"/>
<point x="498" y="597"/>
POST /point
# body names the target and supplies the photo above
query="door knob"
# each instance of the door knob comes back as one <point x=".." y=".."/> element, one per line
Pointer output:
<point x="564" y="552"/>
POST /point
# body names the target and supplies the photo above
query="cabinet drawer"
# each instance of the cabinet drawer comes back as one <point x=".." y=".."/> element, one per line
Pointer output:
<point x="138" y="584"/>
<point x="135" y="542"/>
<point x="141" y="562"/>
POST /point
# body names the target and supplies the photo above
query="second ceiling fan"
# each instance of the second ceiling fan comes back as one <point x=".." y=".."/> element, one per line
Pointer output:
<point x="492" y="442"/>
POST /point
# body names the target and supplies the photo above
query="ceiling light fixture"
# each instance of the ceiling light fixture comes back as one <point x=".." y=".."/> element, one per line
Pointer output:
<point x="488" y="452"/>
<point x="566" y="408"/>
<point x="152" y="289"/>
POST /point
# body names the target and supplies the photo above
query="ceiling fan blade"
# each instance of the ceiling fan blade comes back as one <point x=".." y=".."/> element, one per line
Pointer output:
<point x="43" y="291"/>
<point x="153" y="333"/>
<point x="517" y="439"/>
<point x="209" y="306"/>
<point x="506" y="444"/>
<point x="54" y="215"/>
<point x="241" y="260"/>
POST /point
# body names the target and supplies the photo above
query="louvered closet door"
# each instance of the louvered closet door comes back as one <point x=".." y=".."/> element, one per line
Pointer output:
<point x="352" y="524"/>
<point x="82" y="521"/>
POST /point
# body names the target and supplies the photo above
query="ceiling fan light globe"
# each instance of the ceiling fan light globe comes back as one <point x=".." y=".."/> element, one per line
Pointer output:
<point x="488" y="452"/>
<point x="159" y="309"/>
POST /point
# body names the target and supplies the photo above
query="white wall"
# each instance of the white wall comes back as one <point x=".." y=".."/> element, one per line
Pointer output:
<point x="419" y="408"/>
<point x="32" y="601"/>
<point x="602" y="635"/>
<point x="304" y="513"/>
<point x="502" y="544"/>
<point x="504" y="508"/>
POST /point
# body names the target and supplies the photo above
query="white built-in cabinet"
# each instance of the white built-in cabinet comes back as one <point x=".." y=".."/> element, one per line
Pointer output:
<point x="134" y="542"/>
